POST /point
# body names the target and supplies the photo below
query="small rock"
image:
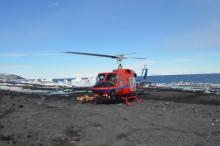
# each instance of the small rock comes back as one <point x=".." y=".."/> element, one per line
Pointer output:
<point x="43" y="98"/>
<point x="212" y="124"/>
<point x="21" y="106"/>
<point x="77" y="139"/>
<point x="216" y="120"/>
<point x="73" y="142"/>
<point x="1" y="126"/>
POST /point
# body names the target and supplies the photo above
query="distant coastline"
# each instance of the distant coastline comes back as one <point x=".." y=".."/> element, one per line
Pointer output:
<point x="195" y="78"/>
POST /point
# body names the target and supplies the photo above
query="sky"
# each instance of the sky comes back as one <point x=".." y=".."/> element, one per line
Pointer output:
<point x="176" y="37"/>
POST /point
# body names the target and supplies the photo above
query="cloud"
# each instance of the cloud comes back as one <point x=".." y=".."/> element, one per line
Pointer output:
<point x="208" y="54"/>
<point x="13" y="54"/>
<point x="8" y="65"/>
<point x="182" y="60"/>
<point x="213" y="54"/>
<point x="141" y="63"/>
<point x="202" y="37"/>
<point x="20" y="54"/>
<point x="138" y="66"/>
<point x="54" y="4"/>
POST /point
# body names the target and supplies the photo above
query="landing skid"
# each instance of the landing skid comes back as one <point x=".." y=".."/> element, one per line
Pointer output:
<point x="113" y="99"/>
<point x="136" y="98"/>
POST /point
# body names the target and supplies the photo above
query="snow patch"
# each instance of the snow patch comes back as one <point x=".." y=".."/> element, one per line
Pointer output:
<point x="189" y="86"/>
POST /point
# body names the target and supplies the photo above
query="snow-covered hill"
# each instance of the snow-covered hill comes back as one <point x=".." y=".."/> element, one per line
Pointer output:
<point x="43" y="86"/>
<point x="9" y="77"/>
<point x="63" y="82"/>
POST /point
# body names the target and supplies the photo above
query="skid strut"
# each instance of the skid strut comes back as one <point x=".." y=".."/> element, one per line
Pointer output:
<point x="137" y="99"/>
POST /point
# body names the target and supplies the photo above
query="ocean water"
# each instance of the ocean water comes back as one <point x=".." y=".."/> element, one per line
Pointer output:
<point x="193" y="78"/>
<point x="207" y="83"/>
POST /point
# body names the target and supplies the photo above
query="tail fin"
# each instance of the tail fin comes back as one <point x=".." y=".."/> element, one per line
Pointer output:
<point x="144" y="73"/>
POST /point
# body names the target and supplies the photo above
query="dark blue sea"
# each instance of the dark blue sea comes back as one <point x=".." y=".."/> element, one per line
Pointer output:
<point x="194" y="78"/>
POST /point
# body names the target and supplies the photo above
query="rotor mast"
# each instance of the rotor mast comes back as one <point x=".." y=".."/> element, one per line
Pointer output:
<point x="119" y="62"/>
<point x="120" y="59"/>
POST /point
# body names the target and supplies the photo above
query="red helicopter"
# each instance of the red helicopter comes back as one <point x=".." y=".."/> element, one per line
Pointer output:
<point x="120" y="84"/>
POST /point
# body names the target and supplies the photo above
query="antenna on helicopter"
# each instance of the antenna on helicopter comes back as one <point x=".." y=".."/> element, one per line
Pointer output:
<point x="119" y="57"/>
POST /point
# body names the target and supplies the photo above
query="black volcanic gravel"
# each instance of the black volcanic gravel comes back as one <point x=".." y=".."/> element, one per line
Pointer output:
<point x="166" y="118"/>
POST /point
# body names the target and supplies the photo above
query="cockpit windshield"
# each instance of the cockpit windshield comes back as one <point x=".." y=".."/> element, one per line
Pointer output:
<point x="111" y="78"/>
<point x="100" y="77"/>
<point x="108" y="77"/>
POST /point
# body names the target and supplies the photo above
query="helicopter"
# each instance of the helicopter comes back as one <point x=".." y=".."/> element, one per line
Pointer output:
<point x="120" y="84"/>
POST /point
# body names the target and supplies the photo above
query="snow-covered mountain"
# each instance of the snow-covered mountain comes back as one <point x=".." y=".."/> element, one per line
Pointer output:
<point x="9" y="77"/>
<point x="62" y="82"/>
<point x="65" y="82"/>
<point x="43" y="86"/>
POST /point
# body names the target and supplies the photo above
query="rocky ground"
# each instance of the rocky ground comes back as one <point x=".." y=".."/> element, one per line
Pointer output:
<point x="166" y="118"/>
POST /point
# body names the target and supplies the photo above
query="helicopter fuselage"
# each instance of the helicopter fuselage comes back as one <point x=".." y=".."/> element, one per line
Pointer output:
<point x="120" y="82"/>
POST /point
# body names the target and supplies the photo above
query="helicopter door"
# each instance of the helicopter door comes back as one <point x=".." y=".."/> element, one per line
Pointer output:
<point x="132" y="84"/>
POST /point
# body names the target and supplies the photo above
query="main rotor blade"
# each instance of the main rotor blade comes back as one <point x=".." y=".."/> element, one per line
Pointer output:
<point x="92" y="54"/>
<point x="126" y="54"/>
<point x="137" y="58"/>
